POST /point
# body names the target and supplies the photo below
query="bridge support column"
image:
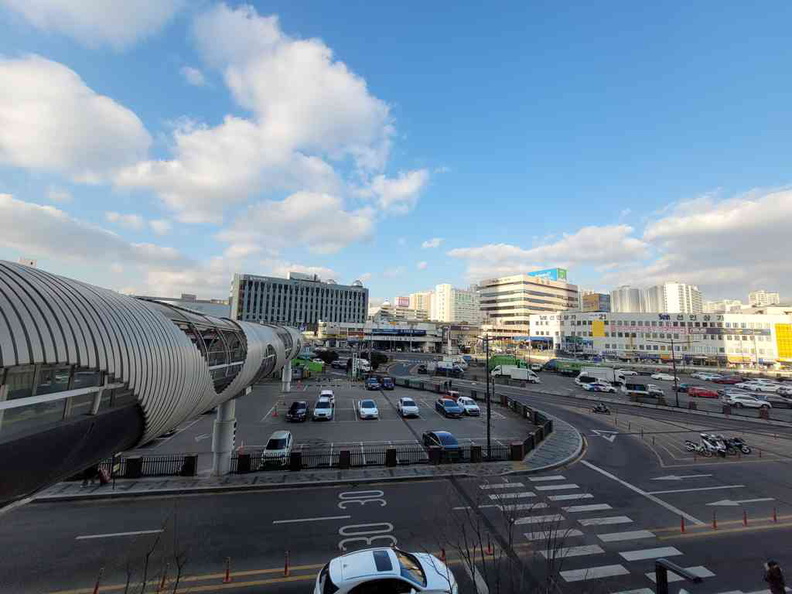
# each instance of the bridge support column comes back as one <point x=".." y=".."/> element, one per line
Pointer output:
<point x="223" y="436"/>
<point x="286" y="377"/>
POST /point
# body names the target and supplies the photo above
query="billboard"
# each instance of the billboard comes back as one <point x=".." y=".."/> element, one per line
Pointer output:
<point x="556" y="274"/>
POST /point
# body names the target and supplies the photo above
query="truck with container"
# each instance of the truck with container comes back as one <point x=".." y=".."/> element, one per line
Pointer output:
<point x="444" y="368"/>
<point x="607" y="374"/>
<point x="515" y="372"/>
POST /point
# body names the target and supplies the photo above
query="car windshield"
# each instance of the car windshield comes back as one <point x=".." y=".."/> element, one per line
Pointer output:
<point x="276" y="444"/>
<point x="408" y="403"/>
<point x="368" y="404"/>
<point x="449" y="403"/>
<point x="447" y="439"/>
<point x="410" y="568"/>
<point x="298" y="406"/>
<point x="323" y="404"/>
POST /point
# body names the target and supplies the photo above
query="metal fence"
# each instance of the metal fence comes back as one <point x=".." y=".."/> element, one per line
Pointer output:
<point x="142" y="466"/>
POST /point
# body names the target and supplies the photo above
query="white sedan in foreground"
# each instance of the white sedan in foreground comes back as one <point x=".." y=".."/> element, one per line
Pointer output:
<point x="385" y="571"/>
<point x="367" y="409"/>
<point x="663" y="376"/>
<point x="407" y="407"/>
<point x="469" y="406"/>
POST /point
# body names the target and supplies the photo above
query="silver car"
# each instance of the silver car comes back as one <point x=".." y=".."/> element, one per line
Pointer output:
<point x="407" y="407"/>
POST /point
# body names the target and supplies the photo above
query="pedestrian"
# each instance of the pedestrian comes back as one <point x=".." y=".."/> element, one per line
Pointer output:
<point x="774" y="578"/>
<point x="90" y="474"/>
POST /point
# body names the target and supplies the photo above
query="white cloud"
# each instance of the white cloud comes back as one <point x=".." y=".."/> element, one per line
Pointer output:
<point x="422" y="265"/>
<point x="318" y="221"/>
<point x="49" y="119"/>
<point x="283" y="268"/>
<point x="393" y="271"/>
<point x="193" y="76"/>
<point x="160" y="226"/>
<point x="365" y="277"/>
<point x="56" y="194"/>
<point x="399" y="195"/>
<point x="432" y="243"/>
<point x="127" y="221"/>
<point x="117" y="23"/>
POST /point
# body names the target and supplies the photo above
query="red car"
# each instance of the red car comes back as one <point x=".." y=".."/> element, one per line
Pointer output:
<point x="698" y="392"/>
<point x="728" y="379"/>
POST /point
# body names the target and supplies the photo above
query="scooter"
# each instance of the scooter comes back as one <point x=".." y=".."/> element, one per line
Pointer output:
<point x="738" y="443"/>
<point x="712" y="442"/>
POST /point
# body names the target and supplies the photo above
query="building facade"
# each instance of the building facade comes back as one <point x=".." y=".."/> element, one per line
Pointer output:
<point x="764" y="340"/>
<point x="383" y="335"/>
<point x="595" y="302"/>
<point x="626" y="299"/>
<point x="723" y="306"/>
<point x="449" y="304"/>
<point x="300" y="300"/>
<point x="763" y="298"/>
<point x="507" y="302"/>
<point x="211" y="307"/>
<point x="673" y="298"/>
<point x="421" y="301"/>
<point x="389" y="311"/>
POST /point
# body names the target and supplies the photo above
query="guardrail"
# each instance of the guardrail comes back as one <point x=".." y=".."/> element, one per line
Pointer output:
<point x="144" y="466"/>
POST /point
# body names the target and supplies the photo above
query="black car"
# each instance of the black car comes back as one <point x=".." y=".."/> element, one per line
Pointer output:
<point x="298" y="411"/>
<point x="447" y="443"/>
<point x="422" y="368"/>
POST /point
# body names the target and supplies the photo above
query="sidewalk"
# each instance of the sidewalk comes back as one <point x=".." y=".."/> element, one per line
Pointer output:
<point x="562" y="446"/>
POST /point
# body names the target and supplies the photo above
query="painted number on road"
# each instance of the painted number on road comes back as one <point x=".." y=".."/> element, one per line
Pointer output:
<point x="361" y="498"/>
<point x="367" y="534"/>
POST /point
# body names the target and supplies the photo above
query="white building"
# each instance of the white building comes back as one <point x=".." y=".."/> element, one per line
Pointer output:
<point x="723" y="306"/>
<point x="449" y="304"/>
<point x="704" y="338"/>
<point x="388" y="335"/>
<point x="762" y="298"/>
<point x="626" y="299"/>
<point x="421" y="301"/>
<point x="546" y="331"/>
<point x="389" y="311"/>
<point x="673" y="298"/>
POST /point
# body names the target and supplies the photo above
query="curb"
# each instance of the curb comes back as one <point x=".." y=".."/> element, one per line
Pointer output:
<point x="578" y="453"/>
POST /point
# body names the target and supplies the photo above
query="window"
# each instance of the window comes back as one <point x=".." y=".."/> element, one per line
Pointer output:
<point x="53" y="379"/>
<point x="19" y="380"/>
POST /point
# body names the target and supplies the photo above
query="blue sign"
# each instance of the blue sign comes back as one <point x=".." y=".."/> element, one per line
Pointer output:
<point x="550" y="273"/>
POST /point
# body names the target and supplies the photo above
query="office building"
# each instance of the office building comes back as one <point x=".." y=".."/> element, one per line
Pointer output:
<point x="507" y="302"/>
<point x="449" y="304"/>
<point x="389" y="311"/>
<point x="763" y="298"/>
<point x="673" y="297"/>
<point x="595" y="302"/>
<point x="211" y="307"/>
<point x="626" y="299"/>
<point x="421" y="300"/>
<point x="300" y="300"/>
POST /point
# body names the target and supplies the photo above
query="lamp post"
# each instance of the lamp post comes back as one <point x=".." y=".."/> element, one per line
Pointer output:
<point x="486" y="341"/>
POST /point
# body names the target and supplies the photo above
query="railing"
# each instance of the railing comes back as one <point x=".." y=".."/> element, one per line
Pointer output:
<point x="141" y="466"/>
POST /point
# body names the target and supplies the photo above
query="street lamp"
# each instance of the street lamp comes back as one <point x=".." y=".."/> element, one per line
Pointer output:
<point x="672" y="342"/>
<point x="486" y="340"/>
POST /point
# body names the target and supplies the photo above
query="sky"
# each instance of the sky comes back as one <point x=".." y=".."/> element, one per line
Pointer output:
<point x="159" y="146"/>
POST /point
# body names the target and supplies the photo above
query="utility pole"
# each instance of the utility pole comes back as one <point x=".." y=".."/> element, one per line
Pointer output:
<point x="672" y="342"/>
<point x="489" y="405"/>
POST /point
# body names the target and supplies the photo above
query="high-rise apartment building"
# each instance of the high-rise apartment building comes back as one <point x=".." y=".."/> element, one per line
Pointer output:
<point x="723" y="306"/>
<point x="595" y="302"/>
<point x="507" y="302"/>
<point x="626" y="299"/>
<point x="449" y="304"/>
<point x="763" y="298"/>
<point x="301" y="300"/>
<point x="421" y="301"/>
<point x="673" y="298"/>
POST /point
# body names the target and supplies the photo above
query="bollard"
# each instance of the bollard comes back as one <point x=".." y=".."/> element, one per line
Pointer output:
<point x="682" y="523"/>
<point x="760" y="453"/>
<point x="227" y="577"/>
<point x="286" y="565"/>
<point x="745" y="518"/>
<point x="98" y="579"/>
<point x="629" y="426"/>
<point x="775" y="516"/>
<point x="642" y="433"/>
<point x="489" y="545"/>
<point x="714" y="520"/>
<point x="653" y="437"/>
<point x="161" y="587"/>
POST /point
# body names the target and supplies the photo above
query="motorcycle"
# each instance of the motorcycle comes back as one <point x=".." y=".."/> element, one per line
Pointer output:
<point x="738" y="443"/>
<point x="601" y="409"/>
<point x="717" y="446"/>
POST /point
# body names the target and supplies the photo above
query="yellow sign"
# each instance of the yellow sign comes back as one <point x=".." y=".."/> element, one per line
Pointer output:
<point x="598" y="328"/>
<point x="784" y="340"/>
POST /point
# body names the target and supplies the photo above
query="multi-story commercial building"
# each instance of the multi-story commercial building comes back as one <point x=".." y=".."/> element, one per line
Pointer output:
<point x="762" y="298"/>
<point x="211" y="307"/>
<point x="301" y="300"/>
<point x="389" y="311"/>
<point x="507" y="302"/>
<point x="546" y="331"/>
<point x="626" y="299"/>
<point x="422" y="300"/>
<point x="388" y="335"/>
<point x="595" y="302"/>
<point x="704" y="338"/>
<point x="723" y="306"/>
<point x="450" y="304"/>
<point x="673" y="298"/>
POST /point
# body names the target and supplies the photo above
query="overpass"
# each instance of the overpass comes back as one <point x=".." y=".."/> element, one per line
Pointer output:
<point x="86" y="372"/>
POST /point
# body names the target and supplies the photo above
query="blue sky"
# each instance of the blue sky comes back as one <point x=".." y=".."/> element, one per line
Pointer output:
<point x="159" y="146"/>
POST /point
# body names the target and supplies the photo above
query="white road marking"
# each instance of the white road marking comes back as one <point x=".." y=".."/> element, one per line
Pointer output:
<point x="538" y="519"/>
<point x="579" y="551"/>
<point x="554" y="535"/>
<point x="650" y="553"/>
<point x="733" y="503"/>
<point x="113" y="534"/>
<point x="695" y="489"/>
<point x="605" y="521"/>
<point x="594" y="573"/>
<point x="677" y="477"/>
<point x="570" y="497"/>
<point x="638" y="591"/>
<point x="310" y="519"/>
<point x="541" y="479"/>
<point x="628" y="535"/>
<point x="698" y="570"/>
<point x="501" y="486"/>
<point x="587" y="508"/>
<point x="521" y="506"/>
<point x="499" y="496"/>
<point x="649" y="496"/>
<point x="556" y="487"/>
<point x="478" y="506"/>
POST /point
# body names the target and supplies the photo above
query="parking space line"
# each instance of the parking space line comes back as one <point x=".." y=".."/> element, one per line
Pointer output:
<point x="296" y="520"/>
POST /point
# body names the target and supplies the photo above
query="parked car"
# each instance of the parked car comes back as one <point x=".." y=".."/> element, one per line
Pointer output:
<point x="699" y="392"/>
<point x="323" y="410"/>
<point x="372" y="383"/>
<point x="655" y="391"/>
<point x="706" y="376"/>
<point x="422" y="368"/>
<point x="407" y="407"/>
<point x="442" y="439"/>
<point x="729" y="379"/>
<point x="338" y="364"/>
<point x="536" y="367"/>
<point x="469" y="406"/>
<point x="747" y="401"/>
<point x="278" y="449"/>
<point x="385" y="570"/>
<point x="448" y="408"/>
<point x="663" y="376"/>
<point x="784" y="391"/>
<point x="387" y="383"/>
<point x="317" y="360"/>
<point x="367" y="409"/>
<point x="298" y="412"/>
<point x="328" y="394"/>
<point x="626" y="372"/>
<point x="758" y="386"/>
<point x="683" y="387"/>
<point x="599" y="386"/>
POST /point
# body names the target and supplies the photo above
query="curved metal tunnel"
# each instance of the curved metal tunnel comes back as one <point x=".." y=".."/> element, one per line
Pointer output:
<point x="86" y="372"/>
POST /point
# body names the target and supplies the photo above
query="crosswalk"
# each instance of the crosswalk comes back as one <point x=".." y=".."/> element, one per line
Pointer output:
<point x="588" y="540"/>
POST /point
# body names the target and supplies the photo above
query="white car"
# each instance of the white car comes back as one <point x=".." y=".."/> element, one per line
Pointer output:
<point x="367" y="409"/>
<point x="385" y="570"/>
<point x="626" y="372"/>
<point x="328" y="394"/>
<point x="758" y="386"/>
<point x="703" y="375"/>
<point x="407" y="407"/>
<point x="469" y="406"/>
<point x="745" y="401"/>
<point x="323" y="409"/>
<point x="663" y="376"/>
<point x="278" y="449"/>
